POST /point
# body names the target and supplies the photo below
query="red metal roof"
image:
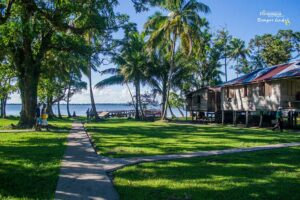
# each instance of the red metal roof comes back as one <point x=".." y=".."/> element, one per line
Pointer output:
<point x="273" y="72"/>
<point x="288" y="70"/>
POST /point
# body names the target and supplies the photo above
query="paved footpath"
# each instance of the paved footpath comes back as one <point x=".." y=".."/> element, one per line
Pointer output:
<point x="81" y="175"/>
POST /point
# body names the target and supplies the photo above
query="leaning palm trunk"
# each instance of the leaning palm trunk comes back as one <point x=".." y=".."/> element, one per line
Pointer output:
<point x="172" y="65"/>
<point x="171" y="111"/>
<point x="132" y="99"/>
<point x="181" y="113"/>
<point x="137" y="114"/>
<point x="140" y="102"/>
<point x="164" y="96"/>
<point x="164" y="116"/>
<point x="94" y="109"/>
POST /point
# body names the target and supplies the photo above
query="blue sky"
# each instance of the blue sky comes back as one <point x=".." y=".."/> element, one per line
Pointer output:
<point x="238" y="16"/>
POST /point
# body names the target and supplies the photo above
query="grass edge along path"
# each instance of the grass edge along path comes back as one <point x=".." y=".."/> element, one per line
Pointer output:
<point x="120" y="138"/>
<point x="30" y="161"/>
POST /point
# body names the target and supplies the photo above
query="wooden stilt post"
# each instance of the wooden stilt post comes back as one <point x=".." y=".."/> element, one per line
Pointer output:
<point x="234" y="118"/>
<point x="289" y="119"/>
<point x="223" y="117"/>
<point x="261" y="118"/>
<point x="247" y="119"/>
<point x="295" y="116"/>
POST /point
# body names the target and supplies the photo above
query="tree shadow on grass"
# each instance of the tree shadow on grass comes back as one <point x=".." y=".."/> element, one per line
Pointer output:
<point x="272" y="174"/>
<point x="29" y="167"/>
<point x="179" y="138"/>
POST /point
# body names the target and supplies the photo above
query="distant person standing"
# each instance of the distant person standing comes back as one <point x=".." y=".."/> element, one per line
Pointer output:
<point x="38" y="120"/>
<point x="279" y="120"/>
<point x="44" y="117"/>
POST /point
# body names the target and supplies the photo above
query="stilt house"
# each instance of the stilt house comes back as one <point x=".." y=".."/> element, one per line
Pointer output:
<point x="263" y="90"/>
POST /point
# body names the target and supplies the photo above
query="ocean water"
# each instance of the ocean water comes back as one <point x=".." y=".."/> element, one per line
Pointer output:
<point x="80" y="109"/>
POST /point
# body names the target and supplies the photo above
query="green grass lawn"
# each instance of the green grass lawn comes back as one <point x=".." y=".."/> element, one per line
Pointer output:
<point x="128" y="138"/>
<point x="30" y="161"/>
<point x="6" y="123"/>
<point x="272" y="174"/>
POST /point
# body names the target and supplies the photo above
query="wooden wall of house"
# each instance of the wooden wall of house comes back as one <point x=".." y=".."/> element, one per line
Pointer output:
<point x="198" y="102"/>
<point x="204" y="100"/>
<point x="290" y="88"/>
<point x="254" y="97"/>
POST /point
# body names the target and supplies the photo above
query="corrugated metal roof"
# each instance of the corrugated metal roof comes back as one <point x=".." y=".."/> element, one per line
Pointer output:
<point x="268" y="73"/>
<point x="273" y="72"/>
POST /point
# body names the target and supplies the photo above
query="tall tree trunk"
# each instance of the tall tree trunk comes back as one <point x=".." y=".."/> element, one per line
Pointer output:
<point x="28" y="64"/>
<point x="68" y="101"/>
<point x="164" y="96"/>
<point x="1" y="108"/>
<point x="172" y="65"/>
<point x="28" y="84"/>
<point x="137" y="114"/>
<point x="58" y="109"/>
<point x="225" y="67"/>
<point x="140" y="101"/>
<point x="4" y="106"/>
<point x="49" y="108"/>
<point x="94" y="109"/>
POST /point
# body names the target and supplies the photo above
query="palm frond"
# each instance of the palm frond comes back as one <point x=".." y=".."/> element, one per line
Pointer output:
<point x="112" y="71"/>
<point x="196" y="6"/>
<point x="113" y="80"/>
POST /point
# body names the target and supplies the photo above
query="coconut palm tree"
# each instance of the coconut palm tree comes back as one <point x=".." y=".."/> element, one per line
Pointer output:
<point x="176" y="30"/>
<point x="131" y="64"/>
<point x="239" y="53"/>
<point x="222" y="42"/>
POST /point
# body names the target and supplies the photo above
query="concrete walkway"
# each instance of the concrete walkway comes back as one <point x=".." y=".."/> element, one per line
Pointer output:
<point x="82" y="175"/>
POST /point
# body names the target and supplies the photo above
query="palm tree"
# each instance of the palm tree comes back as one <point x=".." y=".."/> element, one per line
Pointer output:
<point x="239" y="53"/>
<point x="223" y="44"/>
<point x="116" y="78"/>
<point x="177" y="29"/>
<point x="131" y="64"/>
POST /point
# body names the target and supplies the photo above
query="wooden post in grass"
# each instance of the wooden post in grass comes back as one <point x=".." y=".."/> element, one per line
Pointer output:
<point x="247" y="118"/>
<point x="223" y="117"/>
<point x="261" y="118"/>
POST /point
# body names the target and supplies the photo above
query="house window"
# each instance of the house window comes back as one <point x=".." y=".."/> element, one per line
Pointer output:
<point x="245" y="91"/>
<point x="262" y="89"/>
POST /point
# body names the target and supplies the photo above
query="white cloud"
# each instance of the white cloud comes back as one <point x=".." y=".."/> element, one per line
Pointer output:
<point x="113" y="94"/>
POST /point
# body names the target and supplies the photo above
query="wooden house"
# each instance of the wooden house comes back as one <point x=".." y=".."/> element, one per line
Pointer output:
<point x="204" y="101"/>
<point x="263" y="90"/>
